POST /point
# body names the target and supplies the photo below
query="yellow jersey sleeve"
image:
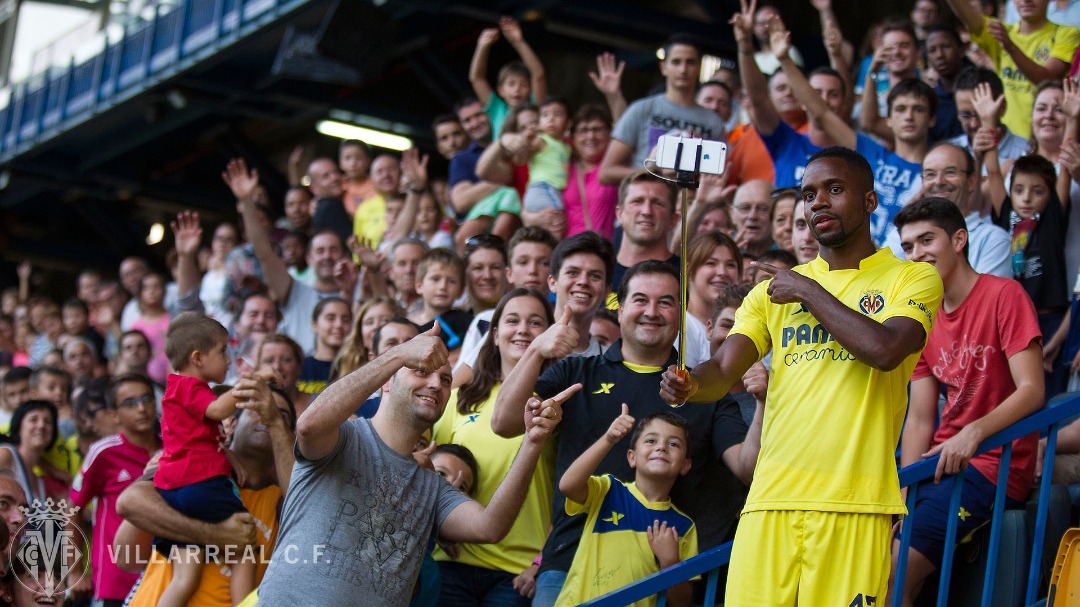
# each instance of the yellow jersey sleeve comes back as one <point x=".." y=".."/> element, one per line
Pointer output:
<point x="751" y="319"/>
<point x="598" y="488"/>
<point x="987" y="42"/>
<point x="917" y="295"/>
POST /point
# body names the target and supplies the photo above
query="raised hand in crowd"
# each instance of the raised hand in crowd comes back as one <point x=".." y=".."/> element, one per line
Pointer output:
<point x="187" y="234"/>
<point x="346" y="275"/>
<point x="414" y="173"/>
<point x="371" y="259"/>
<point x="511" y="29"/>
<point x="559" y="340"/>
<point x="742" y="22"/>
<point x="608" y="80"/>
<point x="241" y="181"/>
<point x="425" y="352"/>
<point x="988" y="108"/>
<point x="299" y="159"/>
<point x="1070" y="102"/>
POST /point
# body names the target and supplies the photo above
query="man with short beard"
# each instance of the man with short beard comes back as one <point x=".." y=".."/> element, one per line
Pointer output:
<point x="626" y="375"/>
<point x="359" y="501"/>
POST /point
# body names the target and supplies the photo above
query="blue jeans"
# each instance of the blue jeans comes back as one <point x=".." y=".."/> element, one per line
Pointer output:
<point x="548" y="586"/>
<point x="541" y="196"/>
<point x="469" y="586"/>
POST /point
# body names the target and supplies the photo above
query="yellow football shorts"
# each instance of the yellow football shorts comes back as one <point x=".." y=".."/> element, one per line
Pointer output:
<point x="809" y="558"/>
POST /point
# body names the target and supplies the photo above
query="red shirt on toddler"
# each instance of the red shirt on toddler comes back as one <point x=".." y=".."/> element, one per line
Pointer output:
<point x="193" y="445"/>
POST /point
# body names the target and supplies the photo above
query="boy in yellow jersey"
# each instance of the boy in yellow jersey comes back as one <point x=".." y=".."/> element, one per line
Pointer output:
<point x="846" y="330"/>
<point x="632" y="530"/>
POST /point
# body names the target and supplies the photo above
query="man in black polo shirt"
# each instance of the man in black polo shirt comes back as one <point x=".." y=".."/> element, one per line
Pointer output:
<point x="627" y="373"/>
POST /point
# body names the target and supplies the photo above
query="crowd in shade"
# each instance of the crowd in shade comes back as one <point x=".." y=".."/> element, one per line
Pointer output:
<point x="462" y="388"/>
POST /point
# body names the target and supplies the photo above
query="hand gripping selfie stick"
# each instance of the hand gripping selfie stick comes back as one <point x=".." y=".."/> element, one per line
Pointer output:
<point x="688" y="157"/>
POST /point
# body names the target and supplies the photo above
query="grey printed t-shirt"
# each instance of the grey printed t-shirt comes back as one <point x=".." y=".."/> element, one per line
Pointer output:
<point x="355" y="525"/>
<point x="647" y="119"/>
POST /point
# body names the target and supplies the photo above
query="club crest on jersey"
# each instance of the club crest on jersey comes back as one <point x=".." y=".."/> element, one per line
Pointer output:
<point x="871" y="302"/>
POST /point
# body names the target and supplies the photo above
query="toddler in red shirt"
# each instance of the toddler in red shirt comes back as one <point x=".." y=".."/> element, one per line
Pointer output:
<point x="194" y="475"/>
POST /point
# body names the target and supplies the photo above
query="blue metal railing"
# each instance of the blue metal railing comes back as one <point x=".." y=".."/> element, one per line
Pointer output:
<point x="48" y="104"/>
<point x="1050" y="420"/>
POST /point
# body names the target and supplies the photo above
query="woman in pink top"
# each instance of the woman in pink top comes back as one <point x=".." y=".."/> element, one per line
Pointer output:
<point x="153" y="321"/>
<point x="590" y="205"/>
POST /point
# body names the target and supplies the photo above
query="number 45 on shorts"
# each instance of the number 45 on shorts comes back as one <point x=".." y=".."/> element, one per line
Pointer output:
<point x="863" y="600"/>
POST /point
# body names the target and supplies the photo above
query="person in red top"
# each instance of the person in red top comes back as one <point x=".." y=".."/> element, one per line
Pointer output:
<point x="986" y="348"/>
<point x="110" y="466"/>
<point x="194" y="474"/>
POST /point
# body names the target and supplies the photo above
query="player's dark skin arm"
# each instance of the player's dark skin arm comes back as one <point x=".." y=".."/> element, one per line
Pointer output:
<point x="882" y="346"/>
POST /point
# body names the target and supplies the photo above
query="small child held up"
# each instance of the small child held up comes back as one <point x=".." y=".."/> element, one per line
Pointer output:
<point x="440" y="280"/>
<point x="517" y="82"/>
<point x="632" y="529"/>
<point x="194" y="473"/>
<point x="545" y="150"/>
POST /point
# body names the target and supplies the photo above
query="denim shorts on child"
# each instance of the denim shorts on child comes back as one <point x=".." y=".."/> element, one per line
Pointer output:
<point x="541" y="196"/>
<point x="213" y="500"/>
<point x="931" y="513"/>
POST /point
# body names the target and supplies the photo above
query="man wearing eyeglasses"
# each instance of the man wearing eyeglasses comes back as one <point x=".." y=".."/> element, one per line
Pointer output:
<point x="750" y="214"/>
<point x="948" y="172"/>
<point x="111" y="465"/>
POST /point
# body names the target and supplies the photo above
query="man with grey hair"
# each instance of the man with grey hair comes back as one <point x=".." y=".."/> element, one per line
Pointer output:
<point x="750" y="214"/>
<point x="404" y="260"/>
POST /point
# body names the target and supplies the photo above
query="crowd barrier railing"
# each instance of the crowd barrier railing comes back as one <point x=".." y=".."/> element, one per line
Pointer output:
<point x="1047" y="421"/>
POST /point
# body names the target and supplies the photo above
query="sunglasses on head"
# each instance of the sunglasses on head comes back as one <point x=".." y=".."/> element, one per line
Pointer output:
<point x="483" y="241"/>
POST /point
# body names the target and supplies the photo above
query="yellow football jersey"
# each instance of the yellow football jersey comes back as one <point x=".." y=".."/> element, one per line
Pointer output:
<point x="832" y="423"/>
<point x="494" y="456"/>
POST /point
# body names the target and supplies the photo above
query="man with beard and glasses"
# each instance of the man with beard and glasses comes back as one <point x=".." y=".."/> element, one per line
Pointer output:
<point x="948" y="171"/>
<point x="848" y="328"/>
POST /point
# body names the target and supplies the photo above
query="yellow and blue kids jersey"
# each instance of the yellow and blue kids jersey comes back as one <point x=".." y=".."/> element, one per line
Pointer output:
<point x="614" y="548"/>
<point x="832" y="422"/>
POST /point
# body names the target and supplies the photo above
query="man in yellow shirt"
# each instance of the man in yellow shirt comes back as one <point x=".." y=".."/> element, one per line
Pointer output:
<point x="1027" y="53"/>
<point x="846" y="331"/>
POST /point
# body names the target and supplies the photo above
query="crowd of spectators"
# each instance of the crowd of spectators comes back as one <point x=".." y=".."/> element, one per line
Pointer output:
<point x="545" y="257"/>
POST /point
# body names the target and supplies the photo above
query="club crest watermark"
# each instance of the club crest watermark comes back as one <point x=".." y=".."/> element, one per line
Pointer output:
<point x="50" y="548"/>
